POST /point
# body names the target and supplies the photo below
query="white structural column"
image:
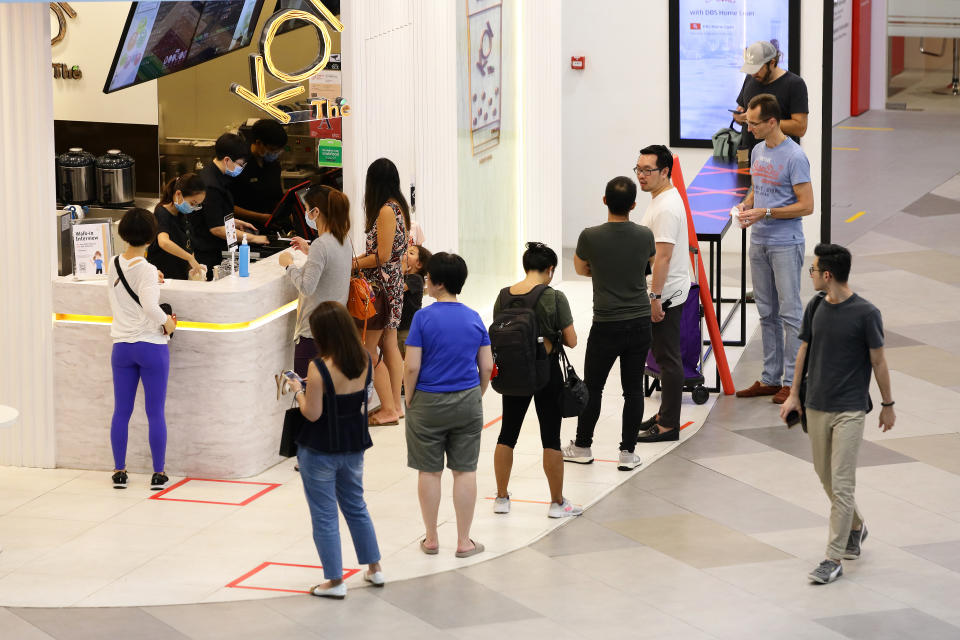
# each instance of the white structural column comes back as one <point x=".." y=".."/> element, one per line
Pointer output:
<point x="540" y="134"/>
<point x="399" y="65"/>
<point x="435" y="120"/>
<point x="27" y="255"/>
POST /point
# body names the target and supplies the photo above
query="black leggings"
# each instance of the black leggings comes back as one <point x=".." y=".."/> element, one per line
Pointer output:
<point x="547" y="403"/>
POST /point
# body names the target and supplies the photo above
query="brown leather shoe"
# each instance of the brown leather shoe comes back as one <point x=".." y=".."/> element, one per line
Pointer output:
<point x="759" y="389"/>
<point x="782" y="395"/>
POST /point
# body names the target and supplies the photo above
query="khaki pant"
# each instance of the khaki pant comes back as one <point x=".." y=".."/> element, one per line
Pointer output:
<point x="835" y="438"/>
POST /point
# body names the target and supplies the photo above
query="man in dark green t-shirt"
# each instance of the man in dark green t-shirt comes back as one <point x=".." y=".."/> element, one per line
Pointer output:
<point x="615" y="255"/>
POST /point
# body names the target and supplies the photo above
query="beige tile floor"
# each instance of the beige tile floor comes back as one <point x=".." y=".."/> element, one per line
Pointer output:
<point x="713" y="540"/>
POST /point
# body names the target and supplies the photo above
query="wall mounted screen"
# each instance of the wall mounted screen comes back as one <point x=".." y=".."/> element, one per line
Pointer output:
<point x="707" y="39"/>
<point x="160" y="38"/>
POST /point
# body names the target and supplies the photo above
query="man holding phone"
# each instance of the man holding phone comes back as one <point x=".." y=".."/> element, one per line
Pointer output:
<point x="760" y="61"/>
<point x="842" y="337"/>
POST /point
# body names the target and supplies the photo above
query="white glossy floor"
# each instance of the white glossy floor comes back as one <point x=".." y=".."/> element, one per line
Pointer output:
<point x="70" y="539"/>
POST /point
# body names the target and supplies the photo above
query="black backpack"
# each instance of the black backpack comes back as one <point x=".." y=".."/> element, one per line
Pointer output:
<point x="520" y="359"/>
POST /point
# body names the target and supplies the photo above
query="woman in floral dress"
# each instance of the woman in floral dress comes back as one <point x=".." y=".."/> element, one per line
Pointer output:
<point x="387" y="221"/>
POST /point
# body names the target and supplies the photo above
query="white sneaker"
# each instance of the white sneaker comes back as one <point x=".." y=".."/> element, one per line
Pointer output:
<point x="564" y="510"/>
<point x="501" y="505"/>
<point x="580" y="455"/>
<point x="629" y="461"/>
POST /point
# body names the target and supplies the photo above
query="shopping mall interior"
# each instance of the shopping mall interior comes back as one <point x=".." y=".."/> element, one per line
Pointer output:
<point x="498" y="141"/>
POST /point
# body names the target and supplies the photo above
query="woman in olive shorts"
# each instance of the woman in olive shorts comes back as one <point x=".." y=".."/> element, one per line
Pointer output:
<point x="447" y="369"/>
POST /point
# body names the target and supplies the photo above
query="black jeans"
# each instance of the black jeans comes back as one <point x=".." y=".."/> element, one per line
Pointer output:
<point x="547" y="403"/>
<point x="666" y="349"/>
<point x="628" y="340"/>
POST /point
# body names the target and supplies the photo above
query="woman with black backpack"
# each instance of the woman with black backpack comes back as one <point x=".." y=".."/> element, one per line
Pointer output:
<point x="555" y="325"/>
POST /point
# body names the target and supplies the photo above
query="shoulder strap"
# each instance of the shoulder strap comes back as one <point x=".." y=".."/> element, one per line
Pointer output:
<point x="126" y="285"/>
<point x="813" y="314"/>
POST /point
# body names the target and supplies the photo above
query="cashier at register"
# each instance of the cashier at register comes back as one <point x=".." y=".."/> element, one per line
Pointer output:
<point x="207" y="228"/>
<point x="258" y="189"/>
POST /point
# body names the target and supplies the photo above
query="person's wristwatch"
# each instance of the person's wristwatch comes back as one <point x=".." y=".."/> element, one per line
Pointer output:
<point x="654" y="296"/>
<point x="768" y="216"/>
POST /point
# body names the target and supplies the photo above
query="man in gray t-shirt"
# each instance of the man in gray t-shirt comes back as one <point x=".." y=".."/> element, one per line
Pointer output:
<point x="841" y="341"/>
<point x="615" y="255"/>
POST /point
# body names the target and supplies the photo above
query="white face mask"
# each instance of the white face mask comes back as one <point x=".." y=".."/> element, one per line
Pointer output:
<point x="312" y="222"/>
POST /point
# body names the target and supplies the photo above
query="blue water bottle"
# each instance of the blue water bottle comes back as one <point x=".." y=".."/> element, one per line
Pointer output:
<point x="244" y="258"/>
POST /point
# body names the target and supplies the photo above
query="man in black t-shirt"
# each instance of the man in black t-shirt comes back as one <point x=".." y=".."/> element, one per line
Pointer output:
<point x="764" y="76"/>
<point x="207" y="226"/>
<point x="842" y="337"/>
<point x="259" y="188"/>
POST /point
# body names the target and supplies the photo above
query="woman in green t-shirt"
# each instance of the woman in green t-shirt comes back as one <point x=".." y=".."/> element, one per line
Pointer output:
<point x="556" y="323"/>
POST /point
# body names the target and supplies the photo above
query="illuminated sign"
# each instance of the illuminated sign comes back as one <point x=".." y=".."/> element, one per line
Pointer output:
<point x="263" y="62"/>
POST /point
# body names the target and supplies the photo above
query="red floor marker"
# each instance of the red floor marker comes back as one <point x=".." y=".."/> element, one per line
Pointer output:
<point x="236" y="583"/>
<point x="270" y="486"/>
<point x="493" y="422"/>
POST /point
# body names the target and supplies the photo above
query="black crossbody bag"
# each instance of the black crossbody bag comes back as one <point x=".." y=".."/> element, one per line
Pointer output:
<point x="806" y="365"/>
<point x="167" y="309"/>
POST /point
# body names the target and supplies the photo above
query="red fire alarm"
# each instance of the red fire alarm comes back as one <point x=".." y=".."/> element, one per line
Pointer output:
<point x="578" y="62"/>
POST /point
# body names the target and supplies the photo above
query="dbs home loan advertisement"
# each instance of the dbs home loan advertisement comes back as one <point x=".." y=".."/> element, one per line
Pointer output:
<point x="712" y="35"/>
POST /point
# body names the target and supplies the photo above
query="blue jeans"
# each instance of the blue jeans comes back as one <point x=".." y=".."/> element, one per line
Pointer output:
<point x="776" y="272"/>
<point x="330" y="479"/>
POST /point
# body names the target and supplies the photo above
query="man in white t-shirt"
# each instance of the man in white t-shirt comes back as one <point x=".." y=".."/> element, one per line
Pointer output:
<point x="669" y="285"/>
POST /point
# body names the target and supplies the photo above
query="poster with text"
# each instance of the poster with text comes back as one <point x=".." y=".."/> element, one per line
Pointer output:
<point x="91" y="249"/>
<point x="712" y="37"/>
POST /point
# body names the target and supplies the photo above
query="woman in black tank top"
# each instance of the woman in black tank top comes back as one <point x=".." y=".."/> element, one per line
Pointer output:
<point x="331" y="446"/>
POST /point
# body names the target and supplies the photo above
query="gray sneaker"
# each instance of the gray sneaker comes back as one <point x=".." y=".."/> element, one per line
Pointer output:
<point x="580" y="455"/>
<point x="826" y="572"/>
<point x="628" y="461"/>
<point x="501" y="505"/>
<point x="853" y="543"/>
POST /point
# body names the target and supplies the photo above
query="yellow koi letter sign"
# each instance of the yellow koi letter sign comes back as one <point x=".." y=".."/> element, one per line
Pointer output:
<point x="259" y="62"/>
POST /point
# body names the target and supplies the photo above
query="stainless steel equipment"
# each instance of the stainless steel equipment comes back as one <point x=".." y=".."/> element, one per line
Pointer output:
<point x="116" y="183"/>
<point x="76" y="177"/>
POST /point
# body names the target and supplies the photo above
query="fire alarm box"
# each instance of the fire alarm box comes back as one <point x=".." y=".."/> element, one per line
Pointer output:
<point x="578" y="62"/>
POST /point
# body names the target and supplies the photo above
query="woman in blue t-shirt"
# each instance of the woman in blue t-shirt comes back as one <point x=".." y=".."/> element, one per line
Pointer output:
<point x="447" y="369"/>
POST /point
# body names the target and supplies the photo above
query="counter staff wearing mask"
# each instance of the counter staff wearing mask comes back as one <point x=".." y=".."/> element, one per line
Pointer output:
<point x="208" y="233"/>
<point x="259" y="188"/>
<point x="171" y="253"/>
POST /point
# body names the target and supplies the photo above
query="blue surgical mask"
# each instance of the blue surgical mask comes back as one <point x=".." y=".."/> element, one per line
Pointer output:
<point x="237" y="170"/>
<point x="311" y="222"/>
<point x="184" y="207"/>
<point x="271" y="156"/>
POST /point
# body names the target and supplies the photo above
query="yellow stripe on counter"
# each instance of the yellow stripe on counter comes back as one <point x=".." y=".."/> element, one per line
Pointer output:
<point x="865" y="128"/>
<point x="855" y="216"/>
<point x="846" y="148"/>
<point x="188" y="325"/>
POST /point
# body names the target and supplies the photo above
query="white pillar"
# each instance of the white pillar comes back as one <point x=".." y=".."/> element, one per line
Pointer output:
<point x="27" y="239"/>
<point x="541" y="125"/>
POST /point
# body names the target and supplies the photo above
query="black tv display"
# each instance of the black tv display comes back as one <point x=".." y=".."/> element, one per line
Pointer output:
<point x="160" y="38"/>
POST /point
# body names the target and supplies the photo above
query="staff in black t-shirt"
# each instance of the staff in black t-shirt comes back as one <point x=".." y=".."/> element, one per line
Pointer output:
<point x="764" y="76"/>
<point x="209" y="234"/>
<point x="171" y="252"/>
<point x="842" y="337"/>
<point x="259" y="188"/>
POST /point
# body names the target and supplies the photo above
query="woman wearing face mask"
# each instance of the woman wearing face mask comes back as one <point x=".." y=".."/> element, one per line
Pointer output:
<point x="171" y="252"/>
<point x="326" y="274"/>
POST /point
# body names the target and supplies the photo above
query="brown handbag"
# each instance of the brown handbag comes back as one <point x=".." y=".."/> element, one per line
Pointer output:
<point x="366" y="300"/>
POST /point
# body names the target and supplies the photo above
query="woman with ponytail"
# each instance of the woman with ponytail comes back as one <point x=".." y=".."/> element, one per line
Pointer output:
<point x="171" y="253"/>
<point x="326" y="274"/>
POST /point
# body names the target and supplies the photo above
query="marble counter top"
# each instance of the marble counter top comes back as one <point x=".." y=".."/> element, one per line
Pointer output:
<point x="230" y="299"/>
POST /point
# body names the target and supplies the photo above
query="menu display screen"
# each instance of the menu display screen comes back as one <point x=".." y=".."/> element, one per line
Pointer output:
<point x="707" y="40"/>
<point x="161" y="38"/>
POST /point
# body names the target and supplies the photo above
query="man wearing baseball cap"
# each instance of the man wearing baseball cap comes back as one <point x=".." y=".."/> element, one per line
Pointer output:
<point x="764" y="76"/>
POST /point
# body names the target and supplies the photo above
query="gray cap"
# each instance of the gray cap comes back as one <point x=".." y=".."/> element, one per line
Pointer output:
<point x="757" y="55"/>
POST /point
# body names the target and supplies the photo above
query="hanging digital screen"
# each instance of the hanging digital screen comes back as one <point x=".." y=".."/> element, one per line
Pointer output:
<point x="160" y="38"/>
<point x="707" y="40"/>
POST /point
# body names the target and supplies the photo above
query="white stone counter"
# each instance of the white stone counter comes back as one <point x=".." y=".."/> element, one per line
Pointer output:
<point x="223" y="418"/>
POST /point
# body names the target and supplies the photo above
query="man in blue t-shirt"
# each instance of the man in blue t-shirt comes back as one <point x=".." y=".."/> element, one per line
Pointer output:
<point x="781" y="194"/>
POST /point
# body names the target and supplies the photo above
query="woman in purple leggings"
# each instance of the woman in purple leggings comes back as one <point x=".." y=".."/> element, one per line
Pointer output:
<point x="140" y="332"/>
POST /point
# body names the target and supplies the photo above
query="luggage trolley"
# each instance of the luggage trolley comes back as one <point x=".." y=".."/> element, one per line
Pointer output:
<point x="691" y="349"/>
